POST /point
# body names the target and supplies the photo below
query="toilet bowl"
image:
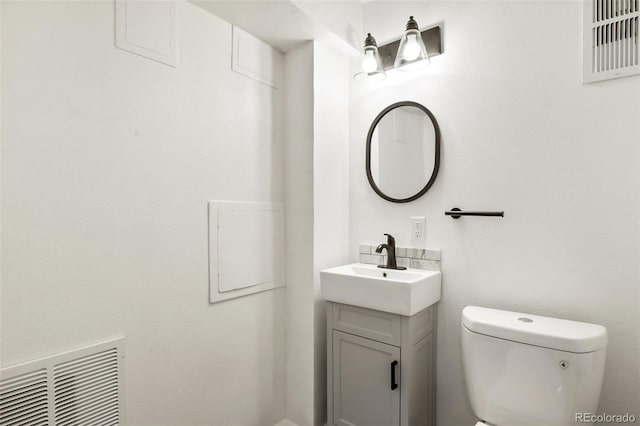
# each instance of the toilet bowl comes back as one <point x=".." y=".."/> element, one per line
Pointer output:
<point x="529" y="370"/>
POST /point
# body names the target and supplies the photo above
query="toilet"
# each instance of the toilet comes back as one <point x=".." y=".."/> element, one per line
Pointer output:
<point x="529" y="370"/>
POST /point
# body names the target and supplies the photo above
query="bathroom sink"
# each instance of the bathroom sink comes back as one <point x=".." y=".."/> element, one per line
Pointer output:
<point x="405" y="292"/>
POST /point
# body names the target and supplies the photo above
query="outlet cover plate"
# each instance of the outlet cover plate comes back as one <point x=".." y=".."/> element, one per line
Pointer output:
<point x="418" y="228"/>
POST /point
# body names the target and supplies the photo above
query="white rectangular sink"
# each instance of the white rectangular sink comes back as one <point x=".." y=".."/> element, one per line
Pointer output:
<point x="404" y="292"/>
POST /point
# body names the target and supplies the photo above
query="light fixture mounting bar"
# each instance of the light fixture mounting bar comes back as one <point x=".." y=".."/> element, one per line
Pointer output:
<point x="432" y="40"/>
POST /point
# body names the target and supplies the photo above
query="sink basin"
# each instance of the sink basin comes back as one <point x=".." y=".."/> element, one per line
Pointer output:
<point x="404" y="292"/>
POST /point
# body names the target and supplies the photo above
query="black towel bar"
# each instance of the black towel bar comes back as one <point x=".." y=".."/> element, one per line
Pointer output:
<point x="456" y="213"/>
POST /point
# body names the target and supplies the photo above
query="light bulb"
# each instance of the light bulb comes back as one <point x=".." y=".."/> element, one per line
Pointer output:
<point x="411" y="49"/>
<point x="369" y="63"/>
<point x="372" y="69"/>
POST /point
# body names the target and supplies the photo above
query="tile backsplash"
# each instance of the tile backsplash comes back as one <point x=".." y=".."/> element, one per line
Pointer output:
<point x="426" y="259"/>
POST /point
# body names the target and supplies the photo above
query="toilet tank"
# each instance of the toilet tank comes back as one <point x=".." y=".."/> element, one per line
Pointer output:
<point x="529" y="370"/>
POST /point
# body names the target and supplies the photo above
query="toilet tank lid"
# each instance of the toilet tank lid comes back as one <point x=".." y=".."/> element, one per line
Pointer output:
<point x="553" y="333"/>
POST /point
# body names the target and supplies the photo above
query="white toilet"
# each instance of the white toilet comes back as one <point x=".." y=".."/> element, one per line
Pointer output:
<point x="527" y="370"/>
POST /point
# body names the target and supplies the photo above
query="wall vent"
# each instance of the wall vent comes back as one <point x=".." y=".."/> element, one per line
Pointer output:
<point x="610" y="39"/>
<point x="24" y="400"/>
<point x="76" y="388"/>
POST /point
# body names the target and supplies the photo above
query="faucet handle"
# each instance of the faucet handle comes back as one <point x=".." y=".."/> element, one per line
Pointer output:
<point x="390" y="240"/>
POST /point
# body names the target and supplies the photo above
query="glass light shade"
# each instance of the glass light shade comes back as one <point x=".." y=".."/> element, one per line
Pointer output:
<point x="412" y="53"/>
<point x="372" y="69"/>
<point x="369" y="63"/>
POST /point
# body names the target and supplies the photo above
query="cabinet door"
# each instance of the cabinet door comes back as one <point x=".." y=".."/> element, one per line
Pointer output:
<point x="363" y="370"/>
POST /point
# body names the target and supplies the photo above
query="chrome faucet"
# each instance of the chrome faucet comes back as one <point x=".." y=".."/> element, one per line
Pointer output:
<point x="391" y="253"/>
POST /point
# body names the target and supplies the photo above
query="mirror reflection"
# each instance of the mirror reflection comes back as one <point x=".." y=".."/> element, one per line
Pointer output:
<point x="403" y="152"/>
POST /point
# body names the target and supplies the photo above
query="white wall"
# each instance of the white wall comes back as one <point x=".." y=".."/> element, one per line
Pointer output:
<point x="331" y="192"/>
<point x="520" y="133"/>
<point x="317" y="196"/>
<point x="108" y="161"/>
<point x="299" y="233"/>
<point x="342" y="18"/>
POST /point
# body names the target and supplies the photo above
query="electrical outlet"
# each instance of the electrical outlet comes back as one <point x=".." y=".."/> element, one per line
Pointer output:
<point x="417" y="227"/>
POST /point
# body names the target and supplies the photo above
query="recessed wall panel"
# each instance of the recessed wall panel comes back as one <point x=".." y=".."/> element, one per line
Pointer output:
<point x="148" y="28"/>
<point x="246" y="246"/>
<point x="255" y="59"/>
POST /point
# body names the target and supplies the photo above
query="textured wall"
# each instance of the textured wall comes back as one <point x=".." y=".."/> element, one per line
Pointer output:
<point x="299" y="196"/>
<point x="317" y="194"/>
<point x="520" y="132"/>
<point x="330" y="193"/>
<point x="108" y="161"/>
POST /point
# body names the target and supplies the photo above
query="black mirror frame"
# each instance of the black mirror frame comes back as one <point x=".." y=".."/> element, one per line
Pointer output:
<point x="436" y="162"/>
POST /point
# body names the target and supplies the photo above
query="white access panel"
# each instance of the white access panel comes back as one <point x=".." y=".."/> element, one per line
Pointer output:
<point x="246" y="248"/>
<point x="148" y="28"/>
<point x="255" y="59"/>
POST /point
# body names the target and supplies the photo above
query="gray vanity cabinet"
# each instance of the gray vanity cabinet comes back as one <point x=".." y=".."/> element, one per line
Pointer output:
<point x="380" y="367"/>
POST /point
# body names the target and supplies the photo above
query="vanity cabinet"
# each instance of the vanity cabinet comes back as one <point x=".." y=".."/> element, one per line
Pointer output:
<point x="380" y="367"/>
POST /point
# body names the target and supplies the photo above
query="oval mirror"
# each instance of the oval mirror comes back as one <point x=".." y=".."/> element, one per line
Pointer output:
<point x="403" y="152"/>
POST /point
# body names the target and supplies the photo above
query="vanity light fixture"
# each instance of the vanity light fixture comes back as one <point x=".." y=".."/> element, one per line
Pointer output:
<point x="372" y="69"/>
<point x="411" y="52"/>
